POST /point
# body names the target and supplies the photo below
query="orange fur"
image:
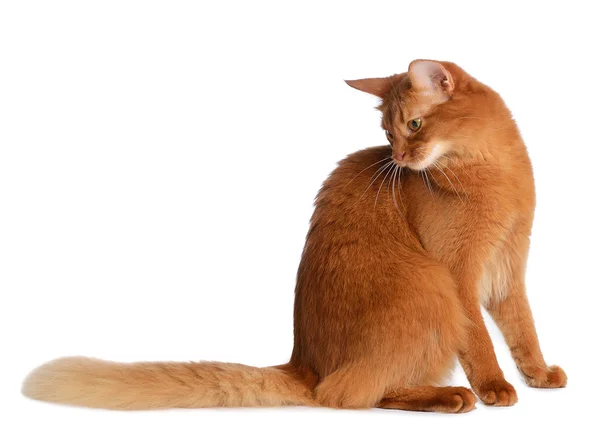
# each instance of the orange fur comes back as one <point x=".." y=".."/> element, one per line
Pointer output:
<point x="405" y="243"/>
<point x="95" y="383"/>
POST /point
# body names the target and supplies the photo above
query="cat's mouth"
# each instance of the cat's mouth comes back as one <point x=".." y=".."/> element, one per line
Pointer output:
<point x="421" y="162"/>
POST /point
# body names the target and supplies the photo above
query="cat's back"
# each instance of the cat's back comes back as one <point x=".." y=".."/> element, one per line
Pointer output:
<point x="350" y="189"/>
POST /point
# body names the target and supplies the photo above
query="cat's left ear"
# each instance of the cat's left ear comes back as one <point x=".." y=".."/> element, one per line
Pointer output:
<point x="375" y="86"/>
<point x="430" y="77"/>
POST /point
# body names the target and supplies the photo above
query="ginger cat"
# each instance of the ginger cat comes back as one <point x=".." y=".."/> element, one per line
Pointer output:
<point x="405" y="243"/>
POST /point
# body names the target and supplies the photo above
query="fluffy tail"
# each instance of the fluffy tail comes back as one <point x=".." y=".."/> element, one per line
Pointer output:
<point x="148" y="385"/>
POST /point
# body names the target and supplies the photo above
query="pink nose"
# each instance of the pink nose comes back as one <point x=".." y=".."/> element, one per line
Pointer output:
<point x="399" y="155"/>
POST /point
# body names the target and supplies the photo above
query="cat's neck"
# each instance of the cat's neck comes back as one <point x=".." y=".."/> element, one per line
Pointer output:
<point x="482" y="171"/>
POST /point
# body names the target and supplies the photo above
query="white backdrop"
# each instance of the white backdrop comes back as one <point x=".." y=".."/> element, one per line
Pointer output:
<point x="158" y="163"/>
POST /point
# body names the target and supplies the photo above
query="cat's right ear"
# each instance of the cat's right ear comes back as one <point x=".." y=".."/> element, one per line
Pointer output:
<point x="375" y="86"/>
<point x="430" y="77"/>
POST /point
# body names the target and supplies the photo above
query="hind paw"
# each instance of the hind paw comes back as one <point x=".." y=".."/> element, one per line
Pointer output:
<point x="456" y="400"/>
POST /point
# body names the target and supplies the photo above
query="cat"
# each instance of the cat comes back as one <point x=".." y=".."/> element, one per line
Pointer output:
<point x="407" y="240"/>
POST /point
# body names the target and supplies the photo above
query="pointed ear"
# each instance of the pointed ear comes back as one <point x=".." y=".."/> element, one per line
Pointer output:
<point x="430" y="76"/>
<point x="374" y="86"/>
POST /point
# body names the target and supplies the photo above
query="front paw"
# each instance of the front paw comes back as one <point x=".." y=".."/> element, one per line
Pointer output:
<point x="497" y="392"/>
<point x="545" y="377"/>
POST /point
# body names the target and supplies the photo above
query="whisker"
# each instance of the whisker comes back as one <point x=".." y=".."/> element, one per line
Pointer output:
<point x="381" y="160"/>
<point x="393" y="192"/>
<point x="449" y="181"/>
<point x="454" y="174"/>
<point x="432" y="176"/>
<point x="389" y="170"/>
<point x="380" y="170"/>
<point x="428" y="184"/>
<point x="422" y="175"/>
<point x="390" y="183"/>
<point x="400" y="187"/>
<point x="450" y="160"/>
<point x="396" y="180"/>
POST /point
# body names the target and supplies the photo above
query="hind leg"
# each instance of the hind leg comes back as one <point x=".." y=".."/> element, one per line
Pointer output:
<point x="352" y="387"/>
<point x="448" y="399"/>
<point x="396" y="373"/>
<point x="408" y="344"/>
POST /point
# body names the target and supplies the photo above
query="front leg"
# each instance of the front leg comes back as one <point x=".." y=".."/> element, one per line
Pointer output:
<point x="478" y="358"/>
<point x="513" y="316"/>
<point x="515" y="320"/>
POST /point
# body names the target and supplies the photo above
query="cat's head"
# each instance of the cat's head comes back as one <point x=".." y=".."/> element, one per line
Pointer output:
<point x="429" y="110"/>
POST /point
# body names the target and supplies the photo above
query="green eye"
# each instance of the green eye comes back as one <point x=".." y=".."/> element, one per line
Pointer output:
<point x="415" y="124"/>
<point x="389" y="136"/>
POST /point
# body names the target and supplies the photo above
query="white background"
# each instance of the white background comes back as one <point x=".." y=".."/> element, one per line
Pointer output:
<point x="158" y="163"/>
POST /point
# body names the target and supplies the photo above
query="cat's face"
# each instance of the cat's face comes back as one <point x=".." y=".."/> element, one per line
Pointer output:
<point x="423" y="112"/>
